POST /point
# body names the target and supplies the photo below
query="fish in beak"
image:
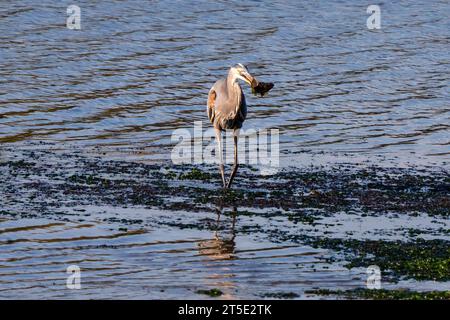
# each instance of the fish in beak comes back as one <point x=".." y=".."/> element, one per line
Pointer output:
<point x="258" y="87"/>
<point x="261" y="88"/>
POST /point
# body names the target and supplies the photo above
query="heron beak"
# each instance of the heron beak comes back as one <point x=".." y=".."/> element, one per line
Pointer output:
<point x="251" y="80"/>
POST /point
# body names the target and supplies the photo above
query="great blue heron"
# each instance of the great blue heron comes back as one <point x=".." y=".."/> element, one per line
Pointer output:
<point x="227" y="109"/>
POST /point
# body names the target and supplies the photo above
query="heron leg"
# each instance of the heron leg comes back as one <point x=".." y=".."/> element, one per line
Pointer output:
<point x="221" y="167"/>
<point x="236" y="164"/>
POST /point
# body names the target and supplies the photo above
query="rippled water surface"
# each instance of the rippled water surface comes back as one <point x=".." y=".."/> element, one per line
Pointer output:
<point x="143" y="231"/>
<point x="138" y="264"/>
<point x="137" y="70"/>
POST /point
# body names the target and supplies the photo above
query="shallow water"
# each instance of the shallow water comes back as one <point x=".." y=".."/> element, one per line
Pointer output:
<point x="138" y="70"/>
<point x="137" y="231"/>
<point x="139" y="264"/>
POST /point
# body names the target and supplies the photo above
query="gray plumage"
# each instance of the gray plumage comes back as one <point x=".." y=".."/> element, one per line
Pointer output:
<point x="227" y="108"/>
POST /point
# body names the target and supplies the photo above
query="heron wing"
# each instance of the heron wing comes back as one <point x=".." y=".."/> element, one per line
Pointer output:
<point x="211" y="105"/>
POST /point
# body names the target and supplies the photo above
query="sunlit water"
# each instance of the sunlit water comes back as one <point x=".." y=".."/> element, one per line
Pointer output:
<point x="137" y="70"/>
<point x="156" y="262"/>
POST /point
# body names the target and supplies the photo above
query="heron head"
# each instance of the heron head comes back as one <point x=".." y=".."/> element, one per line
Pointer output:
<point x="240" y="71"/>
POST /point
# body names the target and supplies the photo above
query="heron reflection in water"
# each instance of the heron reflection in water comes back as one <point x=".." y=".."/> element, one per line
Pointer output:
<point x="222" y="245"/>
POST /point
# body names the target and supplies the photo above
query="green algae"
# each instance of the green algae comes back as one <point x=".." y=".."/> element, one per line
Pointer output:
<point x="420" y="259"/>
<point x="195" y="174"/>
<point x="304" y="196"/>
<point x="212" y="292"/>
<point x="382" y="294"/>
<point x="280" y="295"/>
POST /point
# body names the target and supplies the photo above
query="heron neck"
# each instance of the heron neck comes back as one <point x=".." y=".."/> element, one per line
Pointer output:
<point x="232" y="85"/>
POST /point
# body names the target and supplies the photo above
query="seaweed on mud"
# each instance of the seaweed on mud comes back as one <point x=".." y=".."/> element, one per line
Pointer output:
<point x="303" y="217"/>
<point x="195" y="174"/>
<point x="88" y="179"/>
<point x="20" y="164"/>
<point x="212" y="292"/>
<point x="280" y="295"/>
<point x="381" y="294"/>
<point x="301" y="195"/>
<point x="420" y="259"/>
<point x="373" y="190"/>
